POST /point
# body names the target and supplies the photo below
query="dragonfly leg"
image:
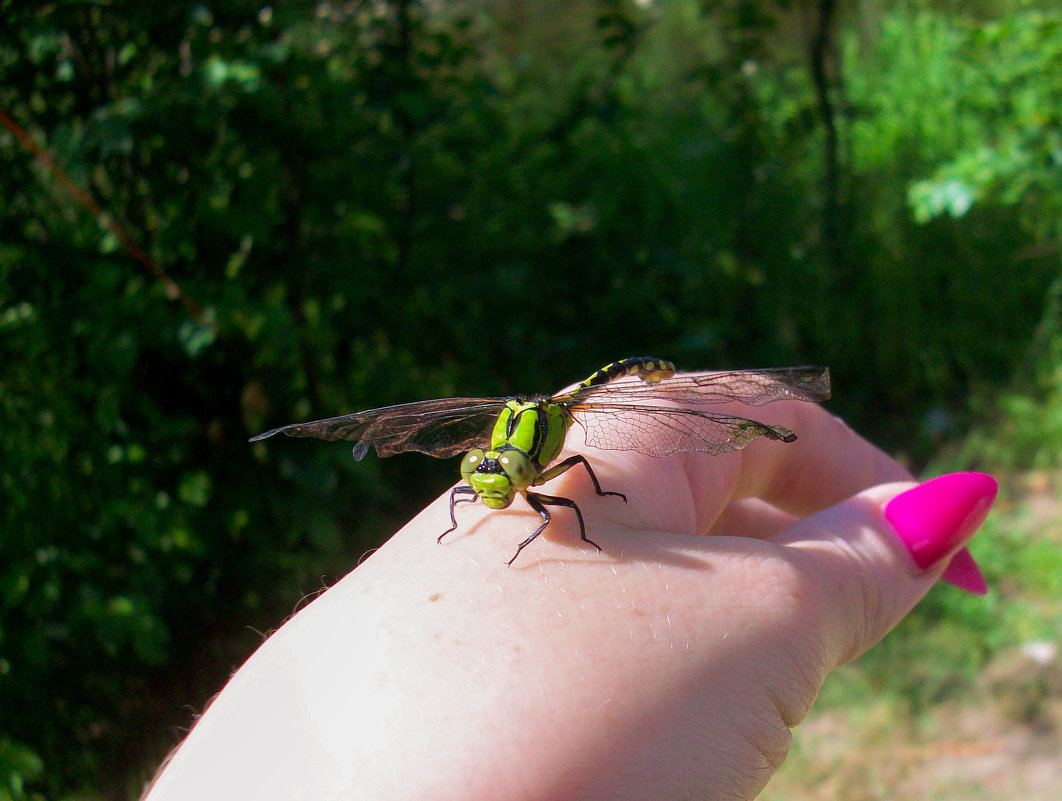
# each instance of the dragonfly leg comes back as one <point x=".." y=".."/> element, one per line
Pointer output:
<point x="464" y="489"/>
<point x="568" y="464"/>
<point x="539" y="502"/>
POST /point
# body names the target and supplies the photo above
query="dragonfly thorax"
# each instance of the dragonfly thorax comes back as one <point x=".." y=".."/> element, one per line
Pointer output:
<point x="536" y="428"/>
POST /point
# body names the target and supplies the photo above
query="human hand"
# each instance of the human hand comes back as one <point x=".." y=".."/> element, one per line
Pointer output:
<point x="671" y="665"/>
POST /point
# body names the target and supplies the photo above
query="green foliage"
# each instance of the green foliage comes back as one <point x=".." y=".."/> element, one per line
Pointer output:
<point x="926" y="103"/>
<point x="18" y="764"/>
<point x="1011" y="151"/>
<point x="1021" y="427"/>
<point x="250" y="215"/>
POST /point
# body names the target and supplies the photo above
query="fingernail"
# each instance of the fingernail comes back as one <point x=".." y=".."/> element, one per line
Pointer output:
<point x="962" y="572"/>
<point x="935" y="519"/>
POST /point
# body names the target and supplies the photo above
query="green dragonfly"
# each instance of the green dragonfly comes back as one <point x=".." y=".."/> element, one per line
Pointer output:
<point x="511" y="443"/>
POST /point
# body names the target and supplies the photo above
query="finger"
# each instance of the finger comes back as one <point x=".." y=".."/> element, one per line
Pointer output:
<point x="696" y="493"/>
<point x="751" y="517"/>
<point x="828" y="462"/>
<point x="874" y="556"/>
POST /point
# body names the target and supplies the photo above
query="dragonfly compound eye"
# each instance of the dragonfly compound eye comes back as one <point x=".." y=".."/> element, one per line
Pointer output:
<point x="518" y="468"/>
<point x="472" y="460"/>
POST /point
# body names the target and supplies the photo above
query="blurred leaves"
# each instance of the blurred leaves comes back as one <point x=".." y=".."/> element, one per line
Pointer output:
<point x="929" y="199"/>
<point x="18" y="764"/>
<point x="1010" y="152"/>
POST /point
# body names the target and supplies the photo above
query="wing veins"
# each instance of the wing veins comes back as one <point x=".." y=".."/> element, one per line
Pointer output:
<point x="751" y="387"/>
<point x="665" y="430"/>
<point x="442" y="427"/>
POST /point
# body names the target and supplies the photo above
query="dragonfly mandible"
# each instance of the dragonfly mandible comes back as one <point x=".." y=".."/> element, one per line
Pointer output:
<point x="512" y="444"/>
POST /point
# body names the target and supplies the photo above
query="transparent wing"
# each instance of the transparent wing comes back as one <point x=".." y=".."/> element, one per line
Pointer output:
<point x="450" y="426"/>
<point x="442" y="428"/>
<point x="662" y="430"/>
<point x="751" y="387"/>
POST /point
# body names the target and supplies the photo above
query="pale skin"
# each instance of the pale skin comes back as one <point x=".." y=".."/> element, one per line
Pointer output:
<point x="670" y="666"/>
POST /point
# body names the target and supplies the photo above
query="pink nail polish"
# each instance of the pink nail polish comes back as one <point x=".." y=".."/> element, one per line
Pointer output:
<point x="962" y="572"/>
<point x="935" y="519"/>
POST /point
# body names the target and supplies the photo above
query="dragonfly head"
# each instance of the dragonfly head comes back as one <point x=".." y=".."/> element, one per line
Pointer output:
<point x="497" y="476"/>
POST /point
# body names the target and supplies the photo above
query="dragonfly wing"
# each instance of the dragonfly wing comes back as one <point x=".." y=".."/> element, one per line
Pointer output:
<point x="442" y="428"/>
<point x="751" y="387"/>
<point x="663" y="430"/>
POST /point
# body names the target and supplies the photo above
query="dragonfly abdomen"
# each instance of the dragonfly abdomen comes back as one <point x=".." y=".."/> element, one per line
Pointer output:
<point x="647" y="368"/>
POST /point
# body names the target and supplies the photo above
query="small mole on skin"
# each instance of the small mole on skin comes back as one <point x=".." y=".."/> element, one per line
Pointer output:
<point x="435" y="596"/>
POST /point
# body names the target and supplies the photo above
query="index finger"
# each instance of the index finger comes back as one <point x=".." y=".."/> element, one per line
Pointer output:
<point x="689" y="493"/>
<point x="828" y="463"/>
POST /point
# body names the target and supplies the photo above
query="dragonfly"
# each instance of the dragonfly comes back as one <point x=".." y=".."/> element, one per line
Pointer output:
<point x="511" y="444"/>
